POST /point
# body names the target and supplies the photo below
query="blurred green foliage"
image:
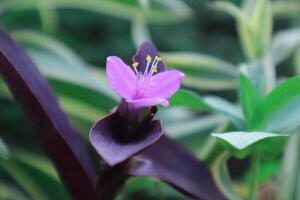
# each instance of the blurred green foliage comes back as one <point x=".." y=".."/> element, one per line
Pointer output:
<point x="232" y="52"/>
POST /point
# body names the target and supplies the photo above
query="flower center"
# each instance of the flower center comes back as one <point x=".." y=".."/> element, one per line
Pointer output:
<point x="144" y="78"/>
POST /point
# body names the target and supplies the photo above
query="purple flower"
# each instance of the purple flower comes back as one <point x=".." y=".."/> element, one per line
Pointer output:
<point x="132" y="143"/>
<point x="142" y="86"/>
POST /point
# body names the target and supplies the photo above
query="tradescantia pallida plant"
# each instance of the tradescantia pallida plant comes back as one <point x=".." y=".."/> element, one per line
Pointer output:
<point x="128" y="140"/>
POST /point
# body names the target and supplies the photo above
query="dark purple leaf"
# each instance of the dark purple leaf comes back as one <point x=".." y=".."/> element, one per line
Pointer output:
<point x="172" y="163"/>
<point x="106" y="136"/>
<point x="60" y="142"/>
<point x="147" y="48"/>
<point x="112" y="179"/>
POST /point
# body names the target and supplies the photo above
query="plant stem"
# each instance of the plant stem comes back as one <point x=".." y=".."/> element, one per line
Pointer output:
<point x="254" y="177"/>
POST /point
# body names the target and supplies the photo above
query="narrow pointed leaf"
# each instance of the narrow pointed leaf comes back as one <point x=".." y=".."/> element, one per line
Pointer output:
<point x="284" y="43"/>
<point x="289" y="178"/>
<point x="249" y="97"/>
<point x="277" y="100"/>
<point x="172" y="163"/>
<point x="60" y="141"/>
<point x="262" y="24"/>
<point x="202" y="71"/>
<point x="159" y="14"/>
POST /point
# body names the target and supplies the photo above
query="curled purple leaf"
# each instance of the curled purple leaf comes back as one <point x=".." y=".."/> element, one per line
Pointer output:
<point x="106" y="137"/>
<point x="59" y="140"/>
<point x="170" y="162"/>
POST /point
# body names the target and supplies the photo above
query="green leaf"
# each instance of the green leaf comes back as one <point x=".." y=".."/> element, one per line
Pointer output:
<point x="287" y="119"/>
<point x="285" y="43"/>
<point x="268" y="170"/>
<point x="262" y="26"/>
<point x="254" y="24"/>
<point x="286" y="9"/>
<point x="289" y="178"/>
<point x="158" y="13"/>
<point x="279" y="97"/>
<point x="222" y="177"/>
<point x="8" y="191"/>
<point x="4" y="152"/>
<point x="59" y="61"/>
<point x="297" y="61"/>
<point x="255" y="73"/>
<point x="23" y="179"/>
<point x="81" y="112"/>
<point x="227" y="109"/>
<point x="184" y="123"/>
<point x="77" y="86"/>
<point x="189" y="99"/>
<point x="35" y="175"/>
<point x="249" y="97"/>
<point x="232" y="10"/>
<point x="48" y="17"/>
<point x="193" y="126"/>
<point x="244" y="26"/>
<point x="202" y="71"/>
<point x="139" y="30"/>
<point x="242" y="144"/>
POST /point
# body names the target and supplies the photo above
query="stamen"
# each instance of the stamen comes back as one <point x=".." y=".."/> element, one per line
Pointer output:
<point x="148" y="59"/>
<point x="145" y="79"/>
<point x="154" y="65"/>
<point x="135" y="65"/>
<point x="158" y="58"/>
<point x="154" y="69"/>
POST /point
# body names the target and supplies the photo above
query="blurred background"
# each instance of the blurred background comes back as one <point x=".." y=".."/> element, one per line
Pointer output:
<point x="69" y="41"/>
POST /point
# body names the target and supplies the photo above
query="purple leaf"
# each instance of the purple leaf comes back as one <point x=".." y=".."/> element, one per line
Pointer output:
<point x="59" y="140"/>
<point x="172" y="163"/>
<point x="147" y="48"/>
<point x="105" y="138"/>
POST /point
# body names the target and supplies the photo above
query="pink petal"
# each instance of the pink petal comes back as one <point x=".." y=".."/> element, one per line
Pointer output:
<point x="164" y="84"/>
<point x="146" y="102"/>
<point x="120" y="77"/>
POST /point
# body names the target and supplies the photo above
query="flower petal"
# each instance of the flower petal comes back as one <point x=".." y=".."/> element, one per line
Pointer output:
<point x="120" y="77"/>
<point x="164" y="84"/>
<point x="147" y="102"/>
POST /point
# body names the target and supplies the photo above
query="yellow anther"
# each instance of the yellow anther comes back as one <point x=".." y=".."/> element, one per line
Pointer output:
<point x="154" y="69"/>
<point x="158" y="58"/>
<point x="148" y="58"/>
<point x="135" y="64"/>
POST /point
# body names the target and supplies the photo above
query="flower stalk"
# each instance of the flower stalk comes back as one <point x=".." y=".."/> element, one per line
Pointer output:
<point x="254" y="177"/>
